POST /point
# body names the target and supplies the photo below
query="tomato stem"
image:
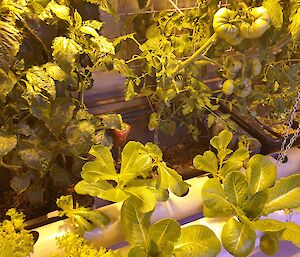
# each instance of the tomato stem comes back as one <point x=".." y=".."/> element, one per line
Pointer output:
<point x="211" y="41"/>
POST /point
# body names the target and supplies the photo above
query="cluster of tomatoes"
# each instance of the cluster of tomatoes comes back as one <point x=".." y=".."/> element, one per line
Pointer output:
<point x="234" y="28"/>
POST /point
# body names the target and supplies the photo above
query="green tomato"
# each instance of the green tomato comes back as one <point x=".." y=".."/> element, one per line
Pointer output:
<point x="259" y="26"/>
<point x="255" y="66"/>
<point x="222" y="26"/>
<point x="234" y="69"/>
<point x="228" y="87"/>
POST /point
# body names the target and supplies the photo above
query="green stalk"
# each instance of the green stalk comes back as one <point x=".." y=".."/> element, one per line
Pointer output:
<point x="209" y="43"/>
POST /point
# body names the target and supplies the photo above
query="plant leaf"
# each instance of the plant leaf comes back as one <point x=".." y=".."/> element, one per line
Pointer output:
<point x="214" y="196"/>
<point x="65" y="52"/>
<point x="197" y="241"/>
<point x="163" y="231"/>
<point x="275" y="11"/>
<point x="102" y="168"/>
<point x="92" y="189"/>
<point x="236" y="188"/>
<point x="238" y="238"/>
<point x="261" y="173"/>
<point x="142" y="197"/>
<point x="115" y="195"/>
<point x="268" y="225"/>
<point x="222" y="140"/>
<point x="294" y="27"/>
<point x="137" y="251"/>
<point x="169" y="178"/>
<point x="284" y="194"/>
<point x="135" y="224"/>
<point x="269" y="244"/>
<point x="135" y="159"/>
<point x="20" y="183"/>
<point x="10" y="40"/>
<point x="80" y="136"/>
<point x="7" y="144"/>
<point x="254" y="205"/>
<point x="7" y="83"/>
<point x="291" y="233"/>
<point x="208" y="162"/>
<point x="104" y="5"/>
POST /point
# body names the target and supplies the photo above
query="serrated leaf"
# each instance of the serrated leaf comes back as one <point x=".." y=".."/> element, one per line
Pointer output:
<point x="254" y="205"/>
<point x="294" y="27"/>
<point x="36" y="158"/>
<point x="135" y="225"/>
<point x="102" y="168"/>
<point x="79" y="136"/>
<point x="123" y="68"/>
<point x="261" y="173"/>
<point x="170" y="179"/>
<point x="197" y="241"/>
<point x="236" y="188"/>
<point x="92" y="189"/>
<point x="20" y="183"/>
<point x="214" y="196"/>
<point x="284" y="194"/>
<point x="163" y="231"/>
<point x="210" y="120"/>
<point x="275" y="11"/>
<point x="222" y="140"/>
<point x="40" y="82"/>
<point x="238" y="238"/>
<point x="55" y="72"/>
<point x="7" y="83"/>
<point x="7" y="143"/>
<point x="61" y="11"/>
<point x="65" y="52"/>
<point x="10" y="40"/>
<point x="207" y="162"/>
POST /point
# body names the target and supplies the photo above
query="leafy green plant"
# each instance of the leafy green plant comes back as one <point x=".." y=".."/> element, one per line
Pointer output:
<point x="165" y="237"/>
<point x="143" y="176"/>
<point x="14" y="239"/>
<point x="76" y="246"/>
<point x="244" y="190"/>
<point x="81" y="218"/>
<point x="48" y="53"/>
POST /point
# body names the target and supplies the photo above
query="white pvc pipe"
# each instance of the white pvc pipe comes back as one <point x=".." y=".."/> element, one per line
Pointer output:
<point x="176" y="207"/>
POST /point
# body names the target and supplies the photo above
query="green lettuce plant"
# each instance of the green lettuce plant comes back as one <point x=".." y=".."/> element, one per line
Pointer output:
<point x="165" y="237"/>
<point x="245" y="190"/>
<point x="142" y="176"/>
<point x="14" y="239"/>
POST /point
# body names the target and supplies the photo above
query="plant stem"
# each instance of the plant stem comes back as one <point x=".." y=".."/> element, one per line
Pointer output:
<point x="175" y="6"/>
<point x="211" y="41"/>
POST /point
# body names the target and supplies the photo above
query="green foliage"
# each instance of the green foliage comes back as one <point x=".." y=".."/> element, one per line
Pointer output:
<point x="244" y="189"/>
<point x="143" y="176"/>
<point x="14" y="239"/>
<point x="82" y="218"/>
<point x="48" y="52"/>
<point x="165" y="237"/>
<point x="76" y="246"/>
